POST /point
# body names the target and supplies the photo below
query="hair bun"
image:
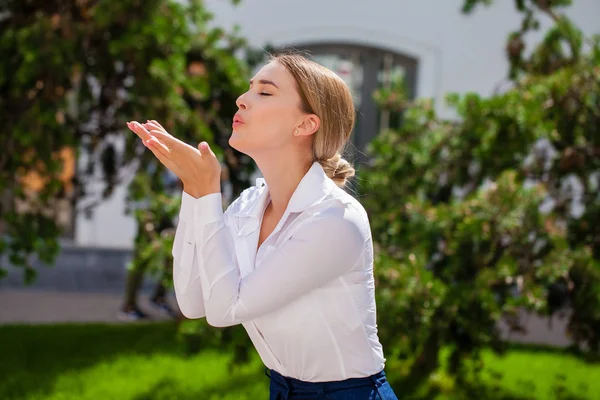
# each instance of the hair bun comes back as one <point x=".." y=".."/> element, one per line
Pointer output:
<point x="338" y="169"/>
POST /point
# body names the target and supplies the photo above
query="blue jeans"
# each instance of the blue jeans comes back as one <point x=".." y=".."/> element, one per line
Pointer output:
<point x="374" y="387"/>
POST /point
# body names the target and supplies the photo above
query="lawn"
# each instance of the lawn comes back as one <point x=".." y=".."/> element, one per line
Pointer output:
<point x="137" y="361"/>
<point x="143" y="361"/>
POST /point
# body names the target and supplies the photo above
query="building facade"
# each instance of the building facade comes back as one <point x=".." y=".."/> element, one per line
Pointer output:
<point x="429" y="43"/>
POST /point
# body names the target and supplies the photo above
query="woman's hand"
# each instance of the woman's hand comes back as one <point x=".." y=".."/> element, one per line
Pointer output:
<point x="199" y="169"/>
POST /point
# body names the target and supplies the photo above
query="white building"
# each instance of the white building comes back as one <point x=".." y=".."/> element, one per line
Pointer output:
<point x="436" y="47"/>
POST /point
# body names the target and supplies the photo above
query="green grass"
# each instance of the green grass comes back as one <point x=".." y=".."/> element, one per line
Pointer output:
<point x="544" y="373"/>
<point x="139" y="361"/>
<point x="144" y="361"/>
<point x="528" y="373"/>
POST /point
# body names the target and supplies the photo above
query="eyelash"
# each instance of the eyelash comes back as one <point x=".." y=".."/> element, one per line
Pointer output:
<point x="265" y="94"/>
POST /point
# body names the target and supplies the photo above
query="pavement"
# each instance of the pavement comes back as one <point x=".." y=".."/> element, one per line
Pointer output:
<point x="32" y="306"/>
<point x="86" y="284"/>
<point x="44" y="306"/>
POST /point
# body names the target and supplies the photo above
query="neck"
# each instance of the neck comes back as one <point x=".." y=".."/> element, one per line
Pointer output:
<point x="283" y="173"/>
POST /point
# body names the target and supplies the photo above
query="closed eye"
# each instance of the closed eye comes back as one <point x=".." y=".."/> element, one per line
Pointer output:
<point x="265" y="94"/>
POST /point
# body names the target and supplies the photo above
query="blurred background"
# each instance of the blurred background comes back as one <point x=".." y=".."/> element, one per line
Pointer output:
<point x="477" y="148"/>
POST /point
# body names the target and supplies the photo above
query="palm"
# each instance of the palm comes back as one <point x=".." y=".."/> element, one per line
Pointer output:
<point x="188" y="163"/>
<point x="166" y="144"/>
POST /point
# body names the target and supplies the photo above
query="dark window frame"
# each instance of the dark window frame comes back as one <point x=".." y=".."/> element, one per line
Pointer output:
<point x="371" y="59"/>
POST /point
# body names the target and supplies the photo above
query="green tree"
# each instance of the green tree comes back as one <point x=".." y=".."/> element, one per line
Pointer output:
<point x="492" y="212"/>
<point x="71" y="74"/>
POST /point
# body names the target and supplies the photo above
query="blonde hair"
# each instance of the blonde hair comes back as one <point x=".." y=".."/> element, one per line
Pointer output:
<point x="326" y="95"/>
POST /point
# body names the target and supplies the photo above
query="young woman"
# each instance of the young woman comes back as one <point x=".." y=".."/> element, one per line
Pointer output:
<point x="292" y="258"/>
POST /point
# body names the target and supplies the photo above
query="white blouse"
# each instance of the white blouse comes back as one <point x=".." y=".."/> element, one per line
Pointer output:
<point x="306" y="297"/>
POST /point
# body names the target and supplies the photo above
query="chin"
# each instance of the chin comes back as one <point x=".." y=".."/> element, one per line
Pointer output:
<point x="236" y="142"/>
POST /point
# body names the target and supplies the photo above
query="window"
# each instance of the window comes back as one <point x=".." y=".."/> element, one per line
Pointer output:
<point x="366" y="69"/>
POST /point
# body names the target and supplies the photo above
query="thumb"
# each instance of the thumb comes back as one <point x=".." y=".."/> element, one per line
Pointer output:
<point x="204" y="148"/>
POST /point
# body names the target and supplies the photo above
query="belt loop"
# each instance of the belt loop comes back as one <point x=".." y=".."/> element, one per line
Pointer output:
<point x="278" y="380"/>
<point x="377" y="384"/>
<point x="287" y="387"/>
<point x="375" y="381"/>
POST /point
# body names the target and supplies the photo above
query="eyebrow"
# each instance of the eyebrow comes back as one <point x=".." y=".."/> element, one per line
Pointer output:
<point x="265" y="82"/>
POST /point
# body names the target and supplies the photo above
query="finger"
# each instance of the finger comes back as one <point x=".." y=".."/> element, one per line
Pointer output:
<point x="154" y="125"/>
<point x="159" y="152"/>
<point x="159" y="146"/>
<point x="133" y="129"/>
<point x="139" y="130"/>
<point x="166" y="138"/>
<point x="205" y="149"/>
<point x="158" y="124"/>
<point x="163" y="160"/>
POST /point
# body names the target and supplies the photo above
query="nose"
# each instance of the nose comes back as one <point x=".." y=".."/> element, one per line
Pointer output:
<point x="241" y="102"/>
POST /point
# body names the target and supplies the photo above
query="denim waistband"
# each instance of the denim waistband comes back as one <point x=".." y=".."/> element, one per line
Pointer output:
<point x="293" y="384"/>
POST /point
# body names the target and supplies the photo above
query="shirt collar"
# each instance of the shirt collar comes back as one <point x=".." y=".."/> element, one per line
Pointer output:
<point x="313" y="187"/>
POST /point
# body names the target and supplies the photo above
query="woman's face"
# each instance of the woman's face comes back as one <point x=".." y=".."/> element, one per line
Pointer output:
<point x="268" y="113"/>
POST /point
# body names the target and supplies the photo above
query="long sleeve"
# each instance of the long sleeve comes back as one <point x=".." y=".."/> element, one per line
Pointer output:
<point x="188" y="292"/>
<point x="321" y="250"/>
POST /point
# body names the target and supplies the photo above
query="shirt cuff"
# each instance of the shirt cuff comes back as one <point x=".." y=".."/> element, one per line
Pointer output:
<point x="186" y="211"/>
<point x="207" y="209"/>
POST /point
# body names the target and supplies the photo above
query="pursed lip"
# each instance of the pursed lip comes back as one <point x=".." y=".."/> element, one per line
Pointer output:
<point x="237" y="120"/>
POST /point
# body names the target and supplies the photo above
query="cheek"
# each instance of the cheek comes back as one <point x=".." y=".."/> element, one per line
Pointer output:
<point x="271" y="122"/>
<point x="261" y="133"/>
<point x="269" y="127"/>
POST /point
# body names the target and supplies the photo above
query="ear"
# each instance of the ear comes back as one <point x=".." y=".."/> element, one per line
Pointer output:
<point x="309" y="125"/>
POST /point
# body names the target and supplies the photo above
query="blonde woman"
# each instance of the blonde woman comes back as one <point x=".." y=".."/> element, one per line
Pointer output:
<point x="292" y="258"/>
